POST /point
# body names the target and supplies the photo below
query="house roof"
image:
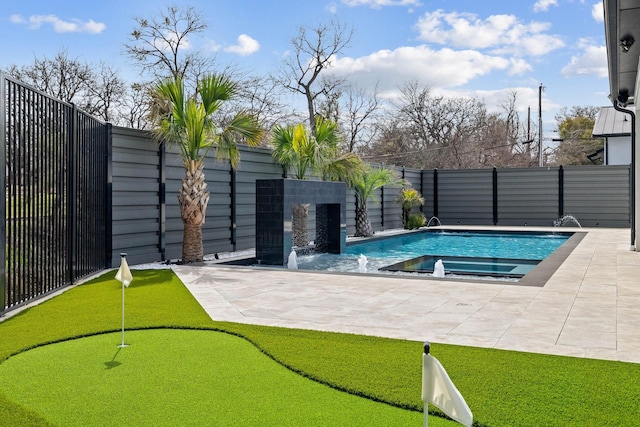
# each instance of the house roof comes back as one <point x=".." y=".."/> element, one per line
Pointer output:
<point x="622" y="34"/>
<point x="611" y="122"/>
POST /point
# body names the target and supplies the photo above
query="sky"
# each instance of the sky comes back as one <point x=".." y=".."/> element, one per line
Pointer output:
<point x="461" y="48"/>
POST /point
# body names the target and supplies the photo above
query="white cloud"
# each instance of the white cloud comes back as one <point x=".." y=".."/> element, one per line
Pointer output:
<point x="59" y="26"/>
<point x="246" y="46"/>
<point x="212" y="46"/>
<point x="597" y="11"/>
<point x="377" y="4"/>
<point x="500" y="33"/>
<point x="17" y="19"/>
<point x="543" y="5"/>
<point x="438" y="68"/>
<point x="591" y="61"/>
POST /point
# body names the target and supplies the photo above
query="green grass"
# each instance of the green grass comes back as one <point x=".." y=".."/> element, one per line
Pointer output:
<point x="182" y="378"/>
<point x="503" y="388"/>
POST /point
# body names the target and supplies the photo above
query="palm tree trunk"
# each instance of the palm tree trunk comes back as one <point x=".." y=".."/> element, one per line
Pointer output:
<point x="363" y="225"/>
<point x="193" y="198"/>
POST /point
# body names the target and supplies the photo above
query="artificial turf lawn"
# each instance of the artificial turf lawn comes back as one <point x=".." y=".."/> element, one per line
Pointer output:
<point x="181" y="378"/>
<point x="501" y="387"/>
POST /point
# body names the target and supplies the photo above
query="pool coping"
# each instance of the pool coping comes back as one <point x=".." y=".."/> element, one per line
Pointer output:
<point x="537" y="277"/>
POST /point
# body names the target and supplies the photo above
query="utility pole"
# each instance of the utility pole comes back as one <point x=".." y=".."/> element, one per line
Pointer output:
<point x="540" y="160"/>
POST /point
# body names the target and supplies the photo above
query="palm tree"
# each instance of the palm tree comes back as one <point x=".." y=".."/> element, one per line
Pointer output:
<point x="409" y="198"/>
<point x="187" y="123"/>
<point x="302" y="154"/>
<point x="364" y="186"/>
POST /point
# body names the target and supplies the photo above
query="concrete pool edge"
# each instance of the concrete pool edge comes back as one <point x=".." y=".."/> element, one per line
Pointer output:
<point x="537" y="277"/>
<point x="541" y="274"/>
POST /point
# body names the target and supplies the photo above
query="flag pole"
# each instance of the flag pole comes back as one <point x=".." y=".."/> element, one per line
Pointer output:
<point x="439" y="390"/>
<point x="427" y="348"/>
<point x="123" y="257"/>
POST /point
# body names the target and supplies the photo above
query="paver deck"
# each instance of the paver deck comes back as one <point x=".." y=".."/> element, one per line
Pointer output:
<point x="590" y="307"/>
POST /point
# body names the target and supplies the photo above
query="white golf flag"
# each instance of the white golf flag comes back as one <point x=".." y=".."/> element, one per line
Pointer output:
<point x="438" y="390"/>
<point x="124" y="274"/>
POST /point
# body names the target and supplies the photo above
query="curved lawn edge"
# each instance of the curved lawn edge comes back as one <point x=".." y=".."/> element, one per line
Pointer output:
<point x="155" y="299"/>
<point x="189" y="375"/>
<point x="253" y="342"/>
<point x="501" y="387"/>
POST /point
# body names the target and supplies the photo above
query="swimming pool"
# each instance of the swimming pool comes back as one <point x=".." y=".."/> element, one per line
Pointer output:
<point x="508" y="255"/>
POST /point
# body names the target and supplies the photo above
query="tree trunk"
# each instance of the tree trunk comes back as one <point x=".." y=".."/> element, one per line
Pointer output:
<point x="192" y="243"/>
<point x="406" y="213"/>
<point x="299" y="221"/>
<point x="363" y="225"/>
<point x="193" y="198"/>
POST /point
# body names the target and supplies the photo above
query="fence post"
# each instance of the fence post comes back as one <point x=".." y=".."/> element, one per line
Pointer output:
<point x="72" y="215"/>
<point x="560" y="192"/>
<point x="162" y="200"/>
<point x="108" y="194"/>
<point x="495" y="196"/>
<point x="3" y="199"/>
<point x="382" y="207"/>
<point x="435" y="192"/>
<point x="422" y="188"/>
<point x="234" y="201"/>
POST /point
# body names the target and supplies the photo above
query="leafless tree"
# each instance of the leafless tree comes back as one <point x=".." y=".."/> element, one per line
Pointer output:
<point x="160" y="46"/>
<point x="428" y="131"/>
<point x="313" y="50"/>
<point x="96" y="89"/>
<point x="136" y="107"/>
<point x="362" y="110"/>
<point x="262" y="96"/>
<point x="62" y="77"/>
<point x="355" y="110"/>
<point x="104" y="94"/>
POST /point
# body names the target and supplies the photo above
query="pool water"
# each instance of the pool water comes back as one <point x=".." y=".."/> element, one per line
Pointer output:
<point x="529" y="248"/>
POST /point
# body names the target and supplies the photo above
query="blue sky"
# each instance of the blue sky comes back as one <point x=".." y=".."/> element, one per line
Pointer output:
<point x="457" y="47"/>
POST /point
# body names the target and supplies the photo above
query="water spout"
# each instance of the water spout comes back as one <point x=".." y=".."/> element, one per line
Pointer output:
<point x="434" y="218"/>
<point x="362" y="264"/>
<point x="438" y="269"/>
<point x="565" y="221"/>
<point x="293" y="261"/>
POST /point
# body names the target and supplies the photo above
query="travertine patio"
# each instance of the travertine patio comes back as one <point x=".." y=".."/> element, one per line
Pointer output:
<point x="590" y="307"/>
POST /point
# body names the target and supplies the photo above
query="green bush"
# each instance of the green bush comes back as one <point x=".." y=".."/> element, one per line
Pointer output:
<point x="416" y="220"/>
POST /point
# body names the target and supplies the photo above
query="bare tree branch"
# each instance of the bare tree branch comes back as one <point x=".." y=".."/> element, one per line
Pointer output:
<point x="313" y="50"/>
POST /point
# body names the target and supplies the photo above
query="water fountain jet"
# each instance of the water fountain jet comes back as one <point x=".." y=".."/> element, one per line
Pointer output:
<point x="438" y="269"/>
<point x="362" y="263"/>
<point x="293" y="260"/>
<point x="565" y="220"/>
<point x="434" y="218"/>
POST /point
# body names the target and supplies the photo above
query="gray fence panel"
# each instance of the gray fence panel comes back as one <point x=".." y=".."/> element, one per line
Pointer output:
<point x="465" y="196"/>
<point x="174" y="171"/>
<point x="256" y="163"/>
<point x="351" y="212"/>
<point x="597" y="196"/>
<point x="392" y="208"/>
<point x="429" y="194"/>
<point x="216" y="231"/>
<point x="135" y="197"/>
<point x="374" y="210"/>
<point x="528" y="196"/>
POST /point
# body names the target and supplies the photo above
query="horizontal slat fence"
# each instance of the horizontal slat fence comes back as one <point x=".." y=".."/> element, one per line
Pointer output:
<point x="147" y="224"/>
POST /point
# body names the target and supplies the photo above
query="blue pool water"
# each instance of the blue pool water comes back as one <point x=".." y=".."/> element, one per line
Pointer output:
<point x="386" y="251"/>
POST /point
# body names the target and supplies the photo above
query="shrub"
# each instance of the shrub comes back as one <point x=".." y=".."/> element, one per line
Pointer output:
<point x="416" y="220"/>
